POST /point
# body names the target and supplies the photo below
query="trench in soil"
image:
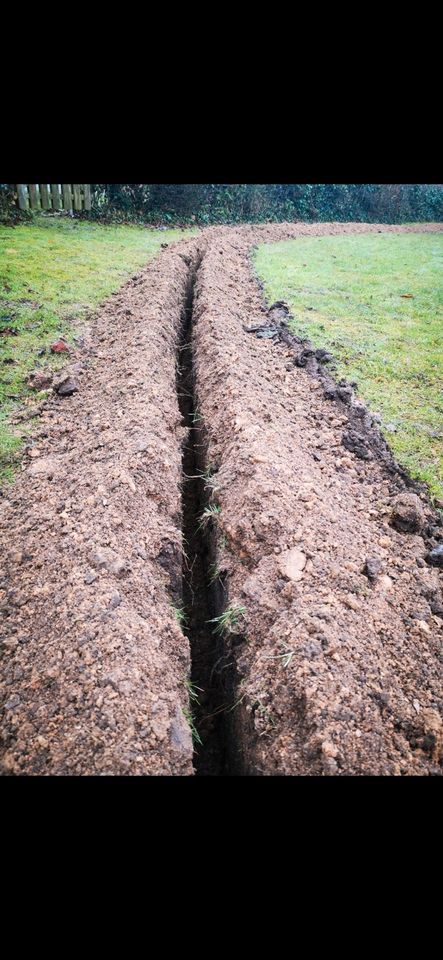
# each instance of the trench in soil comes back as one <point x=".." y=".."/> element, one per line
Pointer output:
<point x="203" y="597"/>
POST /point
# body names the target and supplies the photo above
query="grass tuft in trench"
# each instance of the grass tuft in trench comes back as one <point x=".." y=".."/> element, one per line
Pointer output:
<point x="229" y="619"/>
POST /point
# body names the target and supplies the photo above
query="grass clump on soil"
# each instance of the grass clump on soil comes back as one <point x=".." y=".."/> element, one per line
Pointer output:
<point x="376" y="302"/>
<point x="180" y="615"/>
<point x="196" y="738"/>
<point x="192" y="691"/>
<point x="209" y="513"/>
<point x="214" y="572"/>
<point x="53" y="273"/>
<point x="228" y="620"/>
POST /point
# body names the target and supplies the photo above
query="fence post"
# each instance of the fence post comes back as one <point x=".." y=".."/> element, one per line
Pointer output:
<point x="44" y="194"/>
<point x="67" y="199"/>
<point x="33" y="196"/>
<point x="37" y="196"/>
<point x="55" y="193"/>
<point x="22" y="191"/>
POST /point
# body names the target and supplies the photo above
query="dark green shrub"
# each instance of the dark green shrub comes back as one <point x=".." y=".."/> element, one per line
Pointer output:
<point x="9" y="211"/>
<point x="204" y="203"/>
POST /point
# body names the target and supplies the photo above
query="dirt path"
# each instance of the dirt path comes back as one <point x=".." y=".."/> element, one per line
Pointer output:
<point x="329" y="670"/>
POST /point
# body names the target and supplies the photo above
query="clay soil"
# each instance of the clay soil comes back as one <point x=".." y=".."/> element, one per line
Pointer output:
<point x="332" y="662"/>
<point x="94" y="662"/>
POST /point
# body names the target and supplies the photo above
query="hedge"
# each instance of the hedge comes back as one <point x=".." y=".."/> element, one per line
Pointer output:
<point x="257" y="202"/>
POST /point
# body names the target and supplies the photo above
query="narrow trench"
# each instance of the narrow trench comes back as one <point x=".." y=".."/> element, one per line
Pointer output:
<point x="202" y="599"/>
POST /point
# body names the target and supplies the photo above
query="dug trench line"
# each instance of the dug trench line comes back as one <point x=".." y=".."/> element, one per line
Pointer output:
<point x="184" y="552"/>
<point x="236" y="726"/>
<point x="202" y="593"/>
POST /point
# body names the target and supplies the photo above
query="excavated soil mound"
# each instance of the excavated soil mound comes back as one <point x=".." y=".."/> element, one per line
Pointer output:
<point x="329" y="663"/>
<point x="336" y="661"/>
<point x="94" y="663"/>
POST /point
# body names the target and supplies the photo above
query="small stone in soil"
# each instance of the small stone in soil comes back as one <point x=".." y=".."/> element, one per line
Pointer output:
<point x="66" y="388"/>
<point x="292" y="564"/>
<point x="115" y="600"/>
<point x="59" y="346"/>
<point x="12" y="702"/>
<point x="267" y="333"/>
<point x="372" y="567"/>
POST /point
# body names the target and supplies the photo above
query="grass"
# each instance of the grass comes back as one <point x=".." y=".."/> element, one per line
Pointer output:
<point x="228" y="620"/>
<point x="53" y="273"/>
<point x="286" y="656"/>
<point x="376" y="302"/>
<point x="193" y="694"/>
<point x="180" y="615"/>
<point x="209" y="513"/>
<point x="213" y="572"/>
<point x="193" y="691"/>
<point x="196" y="738"/>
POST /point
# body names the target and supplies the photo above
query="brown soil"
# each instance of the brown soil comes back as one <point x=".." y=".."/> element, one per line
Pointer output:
<point x="332" y="673"/>
<point x="93" y="660"/>
<point x="334" y="667"/>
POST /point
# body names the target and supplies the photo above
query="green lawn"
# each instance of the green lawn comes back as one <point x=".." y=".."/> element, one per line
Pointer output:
<point x="52" y="274"/>
<point x="349" y="294"/>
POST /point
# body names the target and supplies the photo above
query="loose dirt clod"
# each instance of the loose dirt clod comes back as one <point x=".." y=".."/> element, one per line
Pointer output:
<point x="39" y="380"/>
<point x="59" y="346"/>
<point x="407" y="514"/>
<point x="292" y="564"/>
<point x="435" y="556"/>
<point x="372" y="567"/>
